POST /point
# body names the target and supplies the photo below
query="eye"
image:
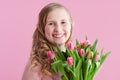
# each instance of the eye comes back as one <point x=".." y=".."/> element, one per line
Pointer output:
<point x="63" y="22"/>
<point x="50" y="23"/>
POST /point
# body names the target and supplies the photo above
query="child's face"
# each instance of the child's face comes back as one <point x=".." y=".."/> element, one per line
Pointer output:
<point x="58" y="26"/>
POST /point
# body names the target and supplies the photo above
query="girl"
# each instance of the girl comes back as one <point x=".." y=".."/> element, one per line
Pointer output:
<point x="54" y="28"/>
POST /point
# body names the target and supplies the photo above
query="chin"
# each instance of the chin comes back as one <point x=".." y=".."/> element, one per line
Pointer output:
<point x="60" y="43"/>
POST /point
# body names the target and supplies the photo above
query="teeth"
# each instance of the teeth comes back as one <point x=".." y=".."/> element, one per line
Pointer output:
<point x="57" y="35"/>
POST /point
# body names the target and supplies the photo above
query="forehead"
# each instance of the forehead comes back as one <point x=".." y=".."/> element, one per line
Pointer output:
<point x="58" y="13"/>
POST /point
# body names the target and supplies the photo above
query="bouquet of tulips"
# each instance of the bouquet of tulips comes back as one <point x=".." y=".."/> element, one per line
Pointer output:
<point x="79" y="62"/>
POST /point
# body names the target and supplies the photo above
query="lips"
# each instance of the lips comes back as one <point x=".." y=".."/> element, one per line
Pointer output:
<point x="58" y="35"/>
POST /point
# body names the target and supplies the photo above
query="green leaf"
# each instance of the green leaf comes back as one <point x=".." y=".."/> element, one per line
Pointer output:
<point x="77" y="43"/>
<point x="79" y="64"/>
<point x="60" y="54"/>
<point x="57" y="66"/>
<point x="102" y="52"/>
<point x="69" y="52"/>
<point x="64" y="77"/>
<point x="70" y="71"/>
<point x="90" y="69"/>
<point x="86" y="37"/>
<point x="87" y="49"/>
<point x="77" y="69"/>
<point x="76" y="55"/>
<point x="101" y="63"/>
<point x="86" y="65"/>
<point x="94" y="55"/>
<point x="94" y="46"/>
<point x="93" y="67"/>
<point x="81" y="75"/>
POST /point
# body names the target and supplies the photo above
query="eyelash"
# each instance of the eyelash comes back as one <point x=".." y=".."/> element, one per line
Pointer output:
<point x="53" y="23"/>
<point x="63" y="22"/>
<point x="50" y="24"/>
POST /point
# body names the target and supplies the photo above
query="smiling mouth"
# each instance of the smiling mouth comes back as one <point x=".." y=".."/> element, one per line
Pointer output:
<point x="58" y="35"/>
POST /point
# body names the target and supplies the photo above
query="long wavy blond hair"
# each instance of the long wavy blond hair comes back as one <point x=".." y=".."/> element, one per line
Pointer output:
<point x="40" y="44"/>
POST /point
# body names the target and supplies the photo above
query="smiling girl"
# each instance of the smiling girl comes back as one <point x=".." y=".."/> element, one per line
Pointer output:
<point x="54" y="28"/>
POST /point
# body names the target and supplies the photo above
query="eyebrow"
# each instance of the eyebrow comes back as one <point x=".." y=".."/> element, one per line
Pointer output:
<point x="50" y="20"/>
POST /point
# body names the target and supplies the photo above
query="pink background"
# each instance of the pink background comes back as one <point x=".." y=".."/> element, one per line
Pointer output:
<point x="95" y="18"/>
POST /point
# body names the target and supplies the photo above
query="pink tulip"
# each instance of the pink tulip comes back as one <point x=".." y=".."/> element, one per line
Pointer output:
<point x="70" y="61"/>
<point x="70" y="45"/>
<point x="77" y="48"/>
<point x="56" y="53"/>
<point x="97" y="58"/>
<point x="87" y="42"/>
<point x="50" y="55"/>
<point x="81" y="52"/>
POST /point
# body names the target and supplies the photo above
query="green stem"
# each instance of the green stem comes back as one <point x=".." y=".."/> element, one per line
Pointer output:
<point x="65" y="76"/>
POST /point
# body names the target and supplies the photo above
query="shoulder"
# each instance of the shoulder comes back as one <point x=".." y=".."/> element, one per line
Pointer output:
<point x="31" y="73"/>
<point x="35" y="73"/>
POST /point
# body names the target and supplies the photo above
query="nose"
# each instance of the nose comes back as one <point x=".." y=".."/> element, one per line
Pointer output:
<point x="58" y="27"/>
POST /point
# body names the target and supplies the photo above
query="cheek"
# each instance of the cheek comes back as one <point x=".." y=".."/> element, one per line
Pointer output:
<point x="48" y="31"/>
<point x="68" y="29"/>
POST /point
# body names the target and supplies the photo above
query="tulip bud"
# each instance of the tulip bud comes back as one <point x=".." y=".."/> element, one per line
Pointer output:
<point x="89" y="55"/>
<point x="50" y="55"/>
<point x="70" y="61"/>
<point x="55" y="52"/>
<point x="70" y="45"/>
<point x="77" y="48"/>
<point x="97" y="58"/>
<point x="81" y="52"/>
<point x="87" y="42"/>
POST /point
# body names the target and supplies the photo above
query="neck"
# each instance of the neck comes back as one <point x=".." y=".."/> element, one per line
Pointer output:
<point x="62" y="47"/>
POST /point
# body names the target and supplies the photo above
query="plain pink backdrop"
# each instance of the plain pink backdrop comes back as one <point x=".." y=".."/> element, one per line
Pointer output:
<point x="95" y="18"/>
